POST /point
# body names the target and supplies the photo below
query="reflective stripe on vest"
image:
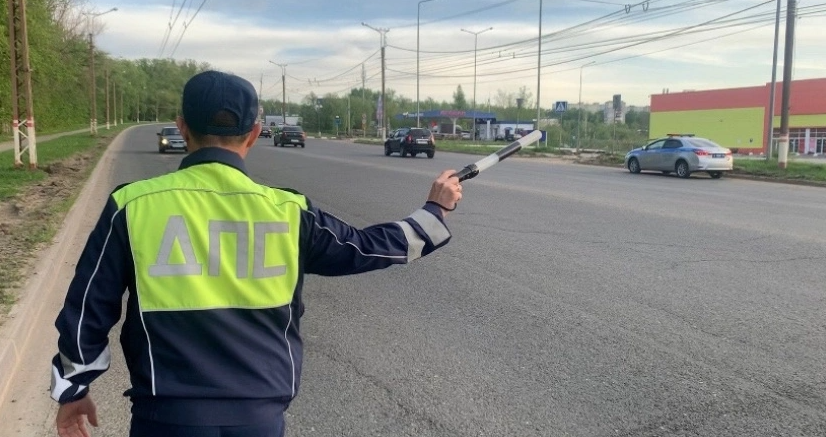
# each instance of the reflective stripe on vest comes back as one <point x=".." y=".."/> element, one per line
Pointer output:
<point x="208" y="237"/>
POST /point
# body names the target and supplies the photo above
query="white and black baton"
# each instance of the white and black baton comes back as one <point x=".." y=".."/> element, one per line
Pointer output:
<point x="489" y="161"/>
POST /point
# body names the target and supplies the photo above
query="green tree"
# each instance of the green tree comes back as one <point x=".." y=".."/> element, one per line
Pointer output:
<point x="459" y="100"/>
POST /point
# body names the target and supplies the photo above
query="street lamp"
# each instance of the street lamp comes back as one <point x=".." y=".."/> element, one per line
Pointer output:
<point x="283" y="91"/>
<point x="418" y="24"/>
<point x="383" y="38"/>
<point x="93" y="120"/>
<point x="475" y="41"/>
<point x="579" y="123"/>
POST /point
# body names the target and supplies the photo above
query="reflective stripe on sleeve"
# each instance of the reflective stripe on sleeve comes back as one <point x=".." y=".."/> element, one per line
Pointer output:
<point x="432" y="226"/>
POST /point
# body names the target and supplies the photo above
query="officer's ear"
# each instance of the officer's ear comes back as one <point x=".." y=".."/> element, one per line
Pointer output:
<point x="253" y="136"/>
<point x="183" y="128"/>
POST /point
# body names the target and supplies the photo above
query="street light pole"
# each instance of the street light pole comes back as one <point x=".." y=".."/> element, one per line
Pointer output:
<point x="93" y="120"/>
<point x="283" y="91"/>
<point x="418" y="24"/>
<point x="475" y="41"/>
<point x="539" y="71"/>
<point x="579" y="108"/>
<point x="770" y="143"/>
<point x="383" y="33"/>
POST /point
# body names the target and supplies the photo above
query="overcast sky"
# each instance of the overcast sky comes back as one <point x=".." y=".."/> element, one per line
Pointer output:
<point x="637" y="49"/>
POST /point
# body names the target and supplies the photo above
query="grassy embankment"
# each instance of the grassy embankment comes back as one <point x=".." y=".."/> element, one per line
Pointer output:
<point x="33" y="203"/>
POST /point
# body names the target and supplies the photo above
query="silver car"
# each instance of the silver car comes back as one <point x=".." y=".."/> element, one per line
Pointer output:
<point x="681" y="154"/>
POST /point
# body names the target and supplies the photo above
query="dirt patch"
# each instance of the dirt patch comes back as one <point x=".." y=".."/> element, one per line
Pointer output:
<point x="29" y="220"/>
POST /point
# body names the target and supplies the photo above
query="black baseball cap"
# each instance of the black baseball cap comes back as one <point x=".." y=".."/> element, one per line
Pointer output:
<point x="210" y="92"/>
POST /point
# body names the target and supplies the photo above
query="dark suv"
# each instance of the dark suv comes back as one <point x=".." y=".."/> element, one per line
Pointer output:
<point x="291" y="135"/>
<point x="410" y="141"/>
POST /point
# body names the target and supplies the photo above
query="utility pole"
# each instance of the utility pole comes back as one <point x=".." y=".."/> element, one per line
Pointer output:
<point x="788" y="58"/>
<point x="383" y="103"/>
<point x="115" y="103"/>
<point x="283" y="91"/>
<point x="121" y="105"/>
<point x="363" y="81"/>
<point x="770" y="142"/>
<point x="93" y="119"/>
<point x="418" y="25"/>
<point x="539" y="71"/>
<point x="21" y="84"/>
<point x="106" y="74"/>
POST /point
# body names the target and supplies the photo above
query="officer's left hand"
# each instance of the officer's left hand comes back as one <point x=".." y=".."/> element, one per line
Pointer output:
<point x="71" y="418"/>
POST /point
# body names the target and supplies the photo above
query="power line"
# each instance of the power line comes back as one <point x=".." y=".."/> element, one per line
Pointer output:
<point x="186" y="26"/>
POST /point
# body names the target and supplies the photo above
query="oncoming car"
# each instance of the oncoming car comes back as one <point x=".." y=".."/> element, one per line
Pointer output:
<point x="169" y="138"/>
<point x="682" y="154"/>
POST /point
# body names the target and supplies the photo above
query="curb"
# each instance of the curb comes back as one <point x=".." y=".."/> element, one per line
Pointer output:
<point x="21" y="322"/>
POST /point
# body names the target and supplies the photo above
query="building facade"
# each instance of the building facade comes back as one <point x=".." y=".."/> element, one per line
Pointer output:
<point x="738" y="118"/>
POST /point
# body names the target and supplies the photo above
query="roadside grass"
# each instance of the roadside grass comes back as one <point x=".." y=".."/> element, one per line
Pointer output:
<point x="34" y="203"/>
<point x="800" y="171"/>
<point x="757" y="168"/>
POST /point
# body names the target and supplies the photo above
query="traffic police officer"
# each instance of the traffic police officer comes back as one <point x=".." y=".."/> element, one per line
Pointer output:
<point x="214" y="264"/>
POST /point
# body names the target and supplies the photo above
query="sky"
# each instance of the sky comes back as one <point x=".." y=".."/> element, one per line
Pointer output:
<point x="594" y="47"/>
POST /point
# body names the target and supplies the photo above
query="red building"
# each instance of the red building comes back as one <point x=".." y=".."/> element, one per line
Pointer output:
<point x="738" y="118"/>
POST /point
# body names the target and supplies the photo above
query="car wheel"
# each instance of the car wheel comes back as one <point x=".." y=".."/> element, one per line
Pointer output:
<point x="386" y="150"/>
<point x="682" y="169"/>
<point x="715" y="174"/>
<point x="302" y="146"/>
<point x="161" y="150"/>
<point x="413" y="154"/>
<point x="430" y="154"/>
<point x="634" y="166"/>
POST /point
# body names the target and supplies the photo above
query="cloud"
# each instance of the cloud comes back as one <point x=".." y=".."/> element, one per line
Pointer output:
<point x="325" y="50"/>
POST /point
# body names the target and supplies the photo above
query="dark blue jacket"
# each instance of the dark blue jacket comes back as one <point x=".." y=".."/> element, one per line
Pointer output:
<point x="217" y="367"/>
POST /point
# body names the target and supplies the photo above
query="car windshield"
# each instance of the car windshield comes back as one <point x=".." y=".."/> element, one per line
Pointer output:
<point x="703" y="143"/>
<point x="420" y="132"/>
<point x="170" y="131"/>
<point x="292" y="129"/>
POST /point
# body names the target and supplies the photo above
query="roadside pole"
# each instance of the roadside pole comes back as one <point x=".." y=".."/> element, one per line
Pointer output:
<point x="788" y="58"/>
<point x="21" y="84"/>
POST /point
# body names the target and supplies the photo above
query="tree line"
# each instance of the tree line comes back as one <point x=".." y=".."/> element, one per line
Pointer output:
<point x="150" y="89"/>
<point x="60" y="59"/>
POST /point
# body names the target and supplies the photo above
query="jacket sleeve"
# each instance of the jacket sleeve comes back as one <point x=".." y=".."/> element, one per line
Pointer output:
<point x="92" y="307"/>
<point x="336" y="249"/>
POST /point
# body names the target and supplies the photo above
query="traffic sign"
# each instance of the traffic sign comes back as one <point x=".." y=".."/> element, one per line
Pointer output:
<point x="338" y="120"/>
<point x="561" y="106"/>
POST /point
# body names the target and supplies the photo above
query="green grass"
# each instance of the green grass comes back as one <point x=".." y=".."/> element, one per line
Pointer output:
<point x="13" y="180"/>
<point x="41" y="227"/>
<point x="794" y="170"/>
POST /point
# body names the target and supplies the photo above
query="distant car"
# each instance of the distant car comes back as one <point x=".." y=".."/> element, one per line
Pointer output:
<point x="410" y="141"/>
<point x="682" y="154"/>
<point x="294" y="135"/>
<point x="169" y="138"/>
<point x="466" y="135"/>
<point x="266" y="132"/>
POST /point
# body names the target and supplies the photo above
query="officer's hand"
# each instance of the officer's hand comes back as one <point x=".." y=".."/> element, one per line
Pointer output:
<point x="71" y="418"/>
<point x="446" y="191"/>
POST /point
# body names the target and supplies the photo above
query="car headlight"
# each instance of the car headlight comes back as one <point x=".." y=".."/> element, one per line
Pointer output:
<point x="164" y="141"/>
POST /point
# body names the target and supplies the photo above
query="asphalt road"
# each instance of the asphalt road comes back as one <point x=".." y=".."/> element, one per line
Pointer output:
<point x="572" y="301"/>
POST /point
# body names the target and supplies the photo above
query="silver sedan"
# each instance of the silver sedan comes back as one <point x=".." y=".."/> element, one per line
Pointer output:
<point x="681" y="154"/>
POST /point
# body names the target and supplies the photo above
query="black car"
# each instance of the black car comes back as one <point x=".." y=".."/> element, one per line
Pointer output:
<point x="266" y="132"/>
<point x="291" y="135"/>
<point x="169" y="138"/>
<point x="410" y="141"/>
